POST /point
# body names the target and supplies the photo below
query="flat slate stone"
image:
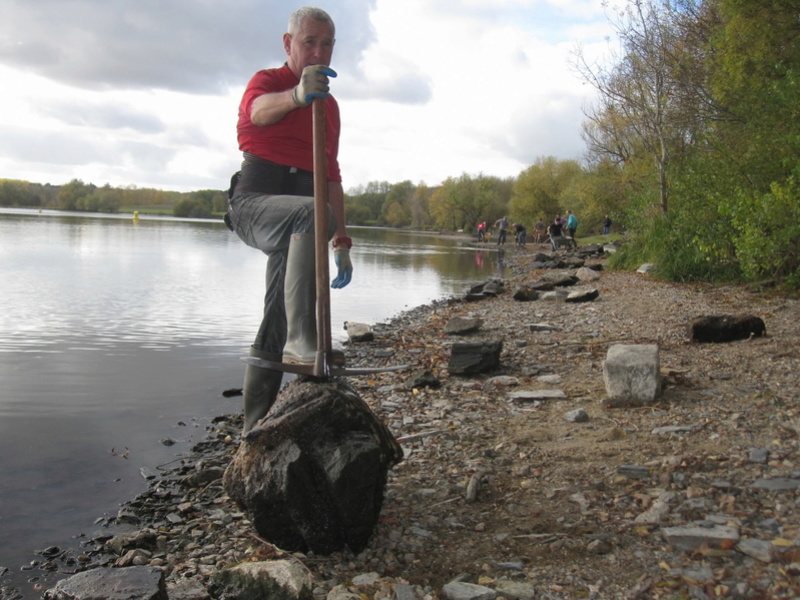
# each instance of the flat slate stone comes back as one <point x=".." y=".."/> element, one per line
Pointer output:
<point x="534" y="395"/>
<point x="694" y="536"/>
<point x="776" y="484"/>
<point x="130" y="583"/>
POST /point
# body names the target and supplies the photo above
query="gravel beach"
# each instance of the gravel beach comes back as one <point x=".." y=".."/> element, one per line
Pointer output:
<point x="567" y="496"/>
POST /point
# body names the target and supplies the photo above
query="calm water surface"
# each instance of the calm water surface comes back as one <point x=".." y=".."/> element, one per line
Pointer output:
<point x="115" y="335"/>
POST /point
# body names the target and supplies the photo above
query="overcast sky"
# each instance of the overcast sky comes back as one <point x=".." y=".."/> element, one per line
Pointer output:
<point x="146" y="92"/>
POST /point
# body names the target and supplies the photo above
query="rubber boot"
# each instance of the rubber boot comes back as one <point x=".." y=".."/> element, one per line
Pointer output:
<point x="300" y="298"/>
<point x="260" y="389"/>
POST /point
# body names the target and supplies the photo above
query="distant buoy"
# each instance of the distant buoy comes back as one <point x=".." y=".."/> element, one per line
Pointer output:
<point x="136" y="215"/>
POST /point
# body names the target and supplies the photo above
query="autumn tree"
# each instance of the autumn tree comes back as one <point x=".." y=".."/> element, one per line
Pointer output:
<point x="642" y="101"/>
<point x="540" y="190"/>
<point x="463" y="202"/>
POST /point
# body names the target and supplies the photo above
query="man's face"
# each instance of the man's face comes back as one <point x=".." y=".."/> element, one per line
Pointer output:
<point x="312" y="45"/>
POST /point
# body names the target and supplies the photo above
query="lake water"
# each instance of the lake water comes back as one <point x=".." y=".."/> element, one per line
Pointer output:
<point x="115" y="335"/>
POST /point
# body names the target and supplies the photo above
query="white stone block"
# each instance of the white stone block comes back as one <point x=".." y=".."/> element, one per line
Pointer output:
<point x="633" y="371"/>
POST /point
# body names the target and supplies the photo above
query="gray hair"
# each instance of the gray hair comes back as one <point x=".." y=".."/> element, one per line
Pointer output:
<point x="301" y="14"/>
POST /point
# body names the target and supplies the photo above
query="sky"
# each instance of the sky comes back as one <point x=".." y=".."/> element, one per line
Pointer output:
<point x="145" y="93"/>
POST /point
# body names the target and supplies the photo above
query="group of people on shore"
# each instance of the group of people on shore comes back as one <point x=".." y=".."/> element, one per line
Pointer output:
<point x="503" y="225"/>
<point x="560" y="232"/>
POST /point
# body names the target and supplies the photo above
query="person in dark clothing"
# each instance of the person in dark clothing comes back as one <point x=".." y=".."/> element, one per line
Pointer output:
<point x="555" y="230"/>
<point x="521" y="233"/>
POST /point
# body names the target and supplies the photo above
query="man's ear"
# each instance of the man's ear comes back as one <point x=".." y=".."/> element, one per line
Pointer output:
<point x="287" y="42"/>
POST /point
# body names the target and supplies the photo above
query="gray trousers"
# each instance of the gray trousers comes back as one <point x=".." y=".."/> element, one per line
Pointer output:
<point x="267" y="223"/>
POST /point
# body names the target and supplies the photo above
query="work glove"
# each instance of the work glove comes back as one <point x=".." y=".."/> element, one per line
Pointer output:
<point x="313" y="84"/>
<point x="341" y="257"/>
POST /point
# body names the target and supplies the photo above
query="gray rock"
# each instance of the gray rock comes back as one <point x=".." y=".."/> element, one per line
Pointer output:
<point x="463" y="325"/>
<point x="515" y="590"/>
<point x="670" y="429"/>
<point x="658" y="510"/>
<point x="187" y="589"/>
<point x="471" y="359"/>
<point x="634" y="472"/>
<point x="587" y="274"/>
<point x="542" y="327"/>
<point x="695" y="536"/>
<point x="275" y="579"/>
<point x="759" y="455"/>
<point x="582" y="296"/>
<point x="359" y="332"/>
<point x="341" y="592"/>
<point x="633" y="371"/>
<point x="423" y="379"/>
<point x="403" y="591"/>
<point x="759" y="549"/>
<point x="132" y="583"/>
<point x="776" y="484"/>
<point x="459" y="590"/>
<point x="366" y="579"/>
<point x="500" y="381"/>
<point x="535" y="395"/>
<point x="577" y="416"/>
<point x="555" y="296"/>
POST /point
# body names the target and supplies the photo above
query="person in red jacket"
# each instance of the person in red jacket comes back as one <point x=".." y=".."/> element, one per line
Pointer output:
<point x="271" y="205"/>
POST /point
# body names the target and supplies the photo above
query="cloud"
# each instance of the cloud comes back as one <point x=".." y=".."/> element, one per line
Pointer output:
<point x="181" y="45"/>
<point x="110" y="116"/>
<point x="147" y="92"/>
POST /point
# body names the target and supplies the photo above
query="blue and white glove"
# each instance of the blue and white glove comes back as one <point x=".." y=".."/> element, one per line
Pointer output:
<point x="313" y="84"/>
<point x="341" y="257"/>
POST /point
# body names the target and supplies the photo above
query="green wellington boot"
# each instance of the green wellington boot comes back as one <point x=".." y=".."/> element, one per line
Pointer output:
<point x="260" y="390"/>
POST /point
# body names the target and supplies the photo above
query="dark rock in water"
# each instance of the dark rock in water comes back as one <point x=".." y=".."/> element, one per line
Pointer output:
<point x="471" y="359"/>
<point x="423" y="379"/>
<point x="311" y="474"/>
<point x="727" y="328"/>
<point x="131" y="583"/>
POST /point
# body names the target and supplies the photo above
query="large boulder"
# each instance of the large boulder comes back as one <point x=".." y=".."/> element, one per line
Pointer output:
<point x="311" y="475"/>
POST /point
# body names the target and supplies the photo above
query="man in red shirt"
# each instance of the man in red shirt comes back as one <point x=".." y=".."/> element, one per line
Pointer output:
<point x="272" y="205"/>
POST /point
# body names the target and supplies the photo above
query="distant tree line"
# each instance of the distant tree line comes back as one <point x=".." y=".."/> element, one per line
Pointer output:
<point x="693" y="149"/>
<point x="77" y="195"/>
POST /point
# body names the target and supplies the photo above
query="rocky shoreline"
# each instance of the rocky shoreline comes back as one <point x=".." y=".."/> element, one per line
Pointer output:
<point x="697" y="495"/>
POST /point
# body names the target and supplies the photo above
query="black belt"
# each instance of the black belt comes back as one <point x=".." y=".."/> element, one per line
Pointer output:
<point x="266" y="177"/>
